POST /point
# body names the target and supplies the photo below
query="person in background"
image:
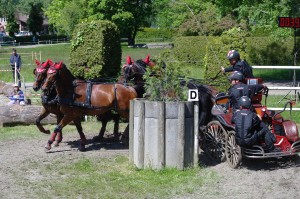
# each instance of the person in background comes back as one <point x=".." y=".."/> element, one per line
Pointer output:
<point x="17" y="96"/>
<point x="236" y="64"/>
<point x="15" y="60"/>
<point x="250" y="129"/>
<point x="2" y="28"/>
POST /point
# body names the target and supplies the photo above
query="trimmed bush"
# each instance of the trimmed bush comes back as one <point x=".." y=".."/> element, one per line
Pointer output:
<point x="95" y="50"/>
<point x="154" y="33"/>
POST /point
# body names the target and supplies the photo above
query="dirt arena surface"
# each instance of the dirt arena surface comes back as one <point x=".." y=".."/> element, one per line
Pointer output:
<point x="275" y="178"/>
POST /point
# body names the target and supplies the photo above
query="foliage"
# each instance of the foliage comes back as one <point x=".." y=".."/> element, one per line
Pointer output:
<point x="129" y="16"/>
<point x="35" y="18"/>
<point x="267" y="51"/>
<point x="11" y="25"/>
<point x="65" y="14"/>
<point x="163" y="82"/>
<point x="152" y="33"/>
<point x="95" y="50"/>
<point x="165" y="9"/>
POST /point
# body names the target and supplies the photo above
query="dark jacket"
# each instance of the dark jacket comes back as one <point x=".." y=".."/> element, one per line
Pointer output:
<point x="247" y="125"/>
<point x="243" y="67"/>
<point x="15" y="59"/>
<point x="235" y="92"/>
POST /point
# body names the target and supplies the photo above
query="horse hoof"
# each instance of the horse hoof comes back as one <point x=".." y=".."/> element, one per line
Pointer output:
<point x="56" y="144"/>
<point x="48" y="147"/>
<point x="98" y="139"/>
<point x="46" y="132"/>
<point x="82" y="148"/>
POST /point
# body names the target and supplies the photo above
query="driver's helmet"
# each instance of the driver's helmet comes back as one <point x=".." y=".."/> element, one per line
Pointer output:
<point x="236" y="75"/>
<point x="233" y="54"/>
<point x="245" y="102"/>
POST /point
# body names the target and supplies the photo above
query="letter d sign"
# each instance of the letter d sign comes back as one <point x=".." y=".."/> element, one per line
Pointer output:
<point x="193" y="95"/>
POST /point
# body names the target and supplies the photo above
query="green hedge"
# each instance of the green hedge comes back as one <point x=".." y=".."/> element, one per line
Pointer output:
<point x="154" y="33"/>
<point x="209" y="53"/>
<point x="95" y="50"/>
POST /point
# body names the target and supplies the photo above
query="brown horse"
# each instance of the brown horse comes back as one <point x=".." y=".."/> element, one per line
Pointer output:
<point x="79" y="97"/>
<point x="50" y="103"/>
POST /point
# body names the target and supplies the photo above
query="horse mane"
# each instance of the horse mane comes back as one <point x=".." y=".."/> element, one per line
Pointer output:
<point x="206" y="101"/>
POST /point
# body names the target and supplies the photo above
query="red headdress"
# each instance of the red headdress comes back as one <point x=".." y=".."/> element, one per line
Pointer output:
<point x="129" y="60"/>
<point x="147" y="59"/>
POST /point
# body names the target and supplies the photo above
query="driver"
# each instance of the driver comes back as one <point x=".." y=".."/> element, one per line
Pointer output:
<point x="250" y="129"/>
<point x="236" y="64"/>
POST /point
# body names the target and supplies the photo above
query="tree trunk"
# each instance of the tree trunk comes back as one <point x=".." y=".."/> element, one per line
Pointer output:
<point x="16" y="114"/>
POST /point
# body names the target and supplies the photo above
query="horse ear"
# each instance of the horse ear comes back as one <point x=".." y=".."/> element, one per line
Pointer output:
<point x="128" y="60"/>
<point x="37" y="62"/>
<point x="147" y="59"/>
<point x="50" y="62"/>
<point x="45" y="63"/>
<point x="59" y="65"/>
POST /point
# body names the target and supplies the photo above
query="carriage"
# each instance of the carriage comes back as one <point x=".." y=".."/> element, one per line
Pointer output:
<point x="219" y="134"/>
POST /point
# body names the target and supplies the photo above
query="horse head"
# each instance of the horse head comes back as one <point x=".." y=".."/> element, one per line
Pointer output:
<point x="40" y="73"/>
<point x="52" y="76"/>
<point x="137" y="69"/>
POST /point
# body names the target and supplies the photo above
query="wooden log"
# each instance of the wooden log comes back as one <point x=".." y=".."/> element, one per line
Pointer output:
<point x="23" y="115"/>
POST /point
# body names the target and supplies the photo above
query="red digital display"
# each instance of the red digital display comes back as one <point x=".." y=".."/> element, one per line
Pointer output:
<point x="289" y="22"/>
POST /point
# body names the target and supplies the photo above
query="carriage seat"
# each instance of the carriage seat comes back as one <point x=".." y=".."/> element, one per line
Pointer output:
<point x="257" y="98"/>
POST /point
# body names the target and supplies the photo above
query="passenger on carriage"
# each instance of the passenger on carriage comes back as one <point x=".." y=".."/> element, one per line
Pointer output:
<point x="239" y="89"/>
<point x="237" y="64"/>
<point x="250" y="129"/>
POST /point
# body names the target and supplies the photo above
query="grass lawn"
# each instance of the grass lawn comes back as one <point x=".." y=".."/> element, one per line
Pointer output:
<point x="56" y="52"/>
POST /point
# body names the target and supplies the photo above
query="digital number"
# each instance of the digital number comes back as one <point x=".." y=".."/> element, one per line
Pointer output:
<point x="290" y="22"/>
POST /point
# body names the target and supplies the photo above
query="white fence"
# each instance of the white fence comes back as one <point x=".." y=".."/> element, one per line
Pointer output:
<point x="295" y="86"/>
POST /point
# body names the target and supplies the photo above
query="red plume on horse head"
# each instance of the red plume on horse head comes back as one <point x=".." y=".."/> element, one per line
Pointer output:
<point x="58" y="65"/>
<point x="149" y="62"/>
<point x="129" y="61"/>
<point x="147" y="59"/>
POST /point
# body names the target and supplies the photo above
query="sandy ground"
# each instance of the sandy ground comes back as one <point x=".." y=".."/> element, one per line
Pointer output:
<point x="276" y="178"/>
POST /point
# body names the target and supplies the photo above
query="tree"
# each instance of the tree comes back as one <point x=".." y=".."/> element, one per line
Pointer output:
<point x="35" y="19"/>
<point x="128" y="15"/>
<point x="65" y="14"/>
<point x="11" y="25"/>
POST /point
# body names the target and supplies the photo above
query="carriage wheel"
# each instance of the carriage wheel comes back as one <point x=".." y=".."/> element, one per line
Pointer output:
<point x="214" y="141"/>
<point x="233" y="151"/>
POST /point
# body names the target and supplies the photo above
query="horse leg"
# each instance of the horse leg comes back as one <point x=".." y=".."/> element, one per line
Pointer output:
<point x="116" y="126"/>
<point x="58" y="129"/>
<point x="59" y="133"/>
<point x="43" y="114"/>
<point x="102" y="130"/>
<point x="125" y="136"/>
<point x="83" y="140"/>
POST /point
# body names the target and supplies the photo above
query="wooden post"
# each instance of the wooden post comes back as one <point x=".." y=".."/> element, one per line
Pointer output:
<point x="161" y="134"/>
<point x="131" y="131"/>
<point x="140" y="134"/>
<point x="196" y="134"/>
<point x="181" y="132"/>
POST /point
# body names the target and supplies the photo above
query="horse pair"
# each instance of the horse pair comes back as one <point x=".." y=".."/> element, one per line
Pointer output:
<point x="50" y="104"/>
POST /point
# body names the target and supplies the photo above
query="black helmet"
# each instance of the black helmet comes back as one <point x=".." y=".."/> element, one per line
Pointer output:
<point x="236" y="75"/>
<point x="233" y="54"/>
<point x="245" y="102"/>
